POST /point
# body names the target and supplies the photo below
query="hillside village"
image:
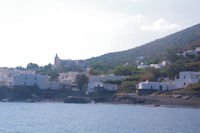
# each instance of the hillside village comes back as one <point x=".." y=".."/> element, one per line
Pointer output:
<point x="181" y="80"/>
<point x="16" y="77"/>
<point x="97" y="83"/>
<point x="174" y="67"/>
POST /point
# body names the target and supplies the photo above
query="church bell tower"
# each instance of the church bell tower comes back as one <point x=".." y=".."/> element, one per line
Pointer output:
<point x="56" y="61"/>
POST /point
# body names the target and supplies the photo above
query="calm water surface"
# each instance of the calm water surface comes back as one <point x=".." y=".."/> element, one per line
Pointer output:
<point x="96" y="118"/>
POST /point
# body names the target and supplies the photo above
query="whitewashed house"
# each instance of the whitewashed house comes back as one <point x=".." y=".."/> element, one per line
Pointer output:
<point x="104" y="86"/>
<point x="126" y="64"/>
<point x="54" y="85"/>
<point x="98" y="82"/>
<point x="62" y="77"/>
<point x="92" y="86"/>
<point x="140" y="58"/>
<point x="197" y="49"/>
<point x="72" y="76"/>
<point x="64" y="80"/>
<point x="162" y="86"/>
<point x="110" y="87"/>
<point x="165" y="63"/>
<point x="189" y="52"/>
<point x="7" y="74"/>
<point x="186" y="78"/>
<point x="41" y="81"/>
<point x="156" y="66"/>
<point x="142" y="66"/>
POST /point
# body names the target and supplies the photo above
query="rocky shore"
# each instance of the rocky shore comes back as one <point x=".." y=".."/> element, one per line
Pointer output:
<point x="161" y="100"/>
<point x="142" y="100"/>
<point x="35" y="95"/>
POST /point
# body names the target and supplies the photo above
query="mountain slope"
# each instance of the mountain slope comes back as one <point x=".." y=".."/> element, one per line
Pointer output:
<point x="152" y="49"/>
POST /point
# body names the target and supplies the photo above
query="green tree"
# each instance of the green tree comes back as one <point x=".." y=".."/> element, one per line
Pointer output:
<point x="128" y="86"/>
<point x="81" y="80"/>
<point x="147" y="76"/>
<point x="171" y="54"/>
<point x="47" y="69"/>
<point x="32" y="66"/>
<point x="94" y="72"/>
<point x="175" y="68"/>
<point x="54" y="75"/>
<point x="123" y="71"/>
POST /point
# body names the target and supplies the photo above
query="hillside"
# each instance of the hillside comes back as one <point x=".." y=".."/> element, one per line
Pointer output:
<point x="157" y="48"/>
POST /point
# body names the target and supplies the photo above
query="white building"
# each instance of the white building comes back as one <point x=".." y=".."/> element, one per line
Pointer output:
<point x="67" y="78"/>
<point x="41" y="81"/>
<point x="156" y="66"/>
<point x="54" y="85"/>
<point x="186" y="78"/>
<point x="92" y="86"/>
<point x="62" y="77"/>
<point x="103" y="86"/>
<point x="140" y="58"/>
<point x="7" y="74"/>
<point x="162" y="86"/>
<point x="197" y="49"/>
<point x="110" y="87"/>
<point x="142" y="66"/>
<point x="72" y="76"/>
<point x="165" y="63"/>
<point x="189" y="52"/>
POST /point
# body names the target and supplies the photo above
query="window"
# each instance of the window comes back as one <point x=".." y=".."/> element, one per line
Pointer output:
<point x="184" y="76"/>
<point x="184" y="84"/>
<point x="26" y="77"/>
<point x="35" y="78"/>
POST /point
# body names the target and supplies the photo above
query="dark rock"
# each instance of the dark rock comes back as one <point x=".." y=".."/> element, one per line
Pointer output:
<point x="76" y="100"/>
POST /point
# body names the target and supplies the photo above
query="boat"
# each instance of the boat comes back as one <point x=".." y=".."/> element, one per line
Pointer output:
<point x="93" y="102"/>
<point x="176" y="95"/>
<point x="4" y="100"/>
<point x="186" y="97"/>
<point x="154" y="105"/>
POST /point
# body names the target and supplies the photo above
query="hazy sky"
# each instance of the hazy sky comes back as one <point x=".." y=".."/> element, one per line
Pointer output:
<point x="35" y="30"/>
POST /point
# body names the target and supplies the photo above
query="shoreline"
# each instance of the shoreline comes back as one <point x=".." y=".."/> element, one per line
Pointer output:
<point x="111" y="103"/>
<point x="129" y="100"/>
<point x="161" y="100"/>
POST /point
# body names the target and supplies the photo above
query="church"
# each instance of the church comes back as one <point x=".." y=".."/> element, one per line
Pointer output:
<point x="81" y="64"/>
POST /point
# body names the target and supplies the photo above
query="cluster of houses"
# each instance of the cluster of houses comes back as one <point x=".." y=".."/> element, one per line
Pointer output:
<point x="190" y="52"/>
<point x="182" y="80"/>
<point x="162" y="64"/>
<point x="143" y="65"/>
<point x="95" y="82"/>
<point x="15" y="77"/>
<point x="7" y="75"/>
<point x="156" y="66"/>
